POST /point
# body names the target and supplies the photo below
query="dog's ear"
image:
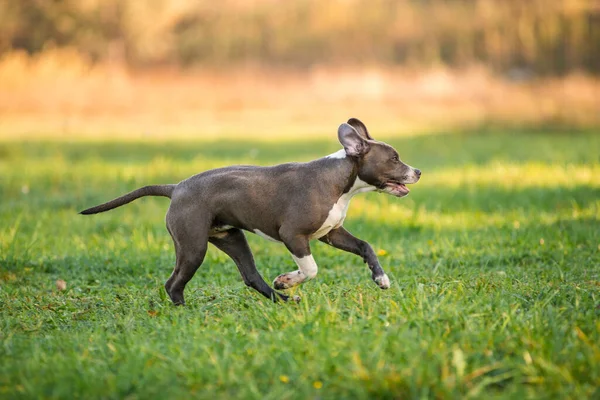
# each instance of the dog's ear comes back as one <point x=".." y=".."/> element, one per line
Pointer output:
<point x="353" y="142"/>
<point x="360" y="128"/>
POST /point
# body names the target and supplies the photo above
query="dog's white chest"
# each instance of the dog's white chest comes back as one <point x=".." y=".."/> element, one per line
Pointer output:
<point x="337" y="214"/>
<point x="335" y="217"/>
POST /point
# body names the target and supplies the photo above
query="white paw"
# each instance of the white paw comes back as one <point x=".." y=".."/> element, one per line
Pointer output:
<point x="288" y="280"/>
<point x="283" y="281"/>
<point x="383" y="281"/>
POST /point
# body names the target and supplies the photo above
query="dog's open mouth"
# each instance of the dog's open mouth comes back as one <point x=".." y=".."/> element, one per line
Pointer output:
<point x="395" y="188"/>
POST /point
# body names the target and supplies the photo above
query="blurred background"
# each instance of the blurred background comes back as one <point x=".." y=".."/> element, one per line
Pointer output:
<point x="234" y="68"/>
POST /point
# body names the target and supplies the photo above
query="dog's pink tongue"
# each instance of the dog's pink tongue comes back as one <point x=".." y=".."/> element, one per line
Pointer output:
<point x="403" y="188"/>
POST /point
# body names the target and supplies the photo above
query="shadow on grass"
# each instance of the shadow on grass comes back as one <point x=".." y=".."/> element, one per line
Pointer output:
<point x="475" y="146"/>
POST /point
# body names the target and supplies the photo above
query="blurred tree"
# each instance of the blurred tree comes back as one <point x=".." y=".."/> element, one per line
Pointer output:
<point x="539" y="36"/>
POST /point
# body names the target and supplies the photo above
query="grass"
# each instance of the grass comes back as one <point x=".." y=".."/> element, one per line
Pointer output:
<point x="494" y="260"/>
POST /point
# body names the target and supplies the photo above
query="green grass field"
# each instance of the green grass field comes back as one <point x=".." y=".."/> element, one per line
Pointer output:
<point x="494" y="260"/>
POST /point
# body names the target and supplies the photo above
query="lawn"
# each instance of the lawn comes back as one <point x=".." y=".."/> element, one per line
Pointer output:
<point x="494" y="260"/>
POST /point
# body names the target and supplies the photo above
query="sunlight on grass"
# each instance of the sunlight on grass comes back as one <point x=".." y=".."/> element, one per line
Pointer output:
<point x="485" y="181"/>
<point x="517" y="176"/>
<point x="494" y="262"/>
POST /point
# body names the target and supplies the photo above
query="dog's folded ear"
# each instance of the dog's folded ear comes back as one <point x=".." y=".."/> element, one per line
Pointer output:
<point x="354" y="144"/>
<point x="360" y="128"/>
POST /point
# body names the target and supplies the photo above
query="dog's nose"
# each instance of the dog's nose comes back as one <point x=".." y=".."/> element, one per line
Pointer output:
<point x="418" y="172"/>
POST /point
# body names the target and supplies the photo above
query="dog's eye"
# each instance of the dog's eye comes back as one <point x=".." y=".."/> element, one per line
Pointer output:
<point x="395" y="159"/>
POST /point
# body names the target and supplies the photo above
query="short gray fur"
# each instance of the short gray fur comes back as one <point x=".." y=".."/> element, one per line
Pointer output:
<point x="288" y="202"/>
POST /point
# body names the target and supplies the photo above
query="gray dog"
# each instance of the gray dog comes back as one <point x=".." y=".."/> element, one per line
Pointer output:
<point x="290" y="203"/>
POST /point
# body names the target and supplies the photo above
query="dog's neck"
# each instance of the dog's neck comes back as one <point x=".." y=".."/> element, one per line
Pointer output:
<point x="343" y="170"/>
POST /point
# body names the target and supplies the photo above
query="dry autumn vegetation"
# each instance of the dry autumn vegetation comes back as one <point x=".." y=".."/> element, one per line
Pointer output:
<point x="494" y="257"/>
<point x="243" y="68"/>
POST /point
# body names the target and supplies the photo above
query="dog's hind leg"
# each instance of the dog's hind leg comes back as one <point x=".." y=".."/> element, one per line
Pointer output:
<point x="233" y="243"/>
<point x="190" y="236"/>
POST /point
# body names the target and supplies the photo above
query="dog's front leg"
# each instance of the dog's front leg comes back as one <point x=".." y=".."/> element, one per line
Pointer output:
<point x="299" y="246"/>
<point x="343" y="240"/>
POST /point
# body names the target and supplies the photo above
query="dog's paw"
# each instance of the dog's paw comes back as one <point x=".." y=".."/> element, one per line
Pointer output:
<point x="288" y="280"/>
<point x="282" y="282"/>
<point x="382" y="281"/>
<point x="285" y="298"/>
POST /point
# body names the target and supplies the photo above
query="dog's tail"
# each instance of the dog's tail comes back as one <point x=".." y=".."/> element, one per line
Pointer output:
<point x="154" y="190"/>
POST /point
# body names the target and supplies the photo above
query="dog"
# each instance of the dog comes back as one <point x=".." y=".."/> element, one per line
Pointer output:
<point x="290" y="203"/>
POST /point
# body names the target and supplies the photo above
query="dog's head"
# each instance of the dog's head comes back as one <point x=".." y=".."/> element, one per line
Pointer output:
<point x="379" y="164"/>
